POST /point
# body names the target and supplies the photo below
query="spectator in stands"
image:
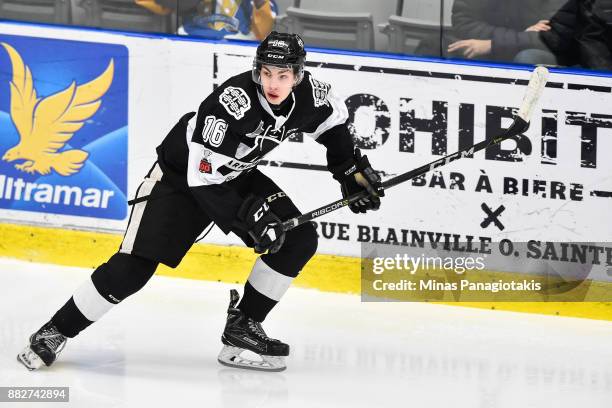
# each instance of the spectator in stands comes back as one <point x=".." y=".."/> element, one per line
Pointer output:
<point x="596" y="37"/>
<point x="241" y="19"/>
<point x="562" y="39"/>
<point x="503" y="30"/>
<point x="156" y="8"/>
<point x="581" y="34"/>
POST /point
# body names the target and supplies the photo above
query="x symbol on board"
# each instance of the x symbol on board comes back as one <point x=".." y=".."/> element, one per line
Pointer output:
<point x="492" y="216"/>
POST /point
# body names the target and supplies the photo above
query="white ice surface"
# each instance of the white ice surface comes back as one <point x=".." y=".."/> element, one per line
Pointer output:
<point x="159" y="349"/>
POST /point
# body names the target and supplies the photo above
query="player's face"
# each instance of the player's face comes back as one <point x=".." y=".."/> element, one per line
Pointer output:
<point x="277" y="83"/>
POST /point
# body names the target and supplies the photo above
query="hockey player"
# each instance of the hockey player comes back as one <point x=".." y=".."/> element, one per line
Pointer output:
<point x="206" y="172"/>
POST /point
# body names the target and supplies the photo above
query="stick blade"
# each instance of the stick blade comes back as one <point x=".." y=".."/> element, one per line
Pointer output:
<point x="536" y="85"/>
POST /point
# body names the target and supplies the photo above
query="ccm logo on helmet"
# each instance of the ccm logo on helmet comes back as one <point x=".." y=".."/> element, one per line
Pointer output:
<point x="276" y="56"/>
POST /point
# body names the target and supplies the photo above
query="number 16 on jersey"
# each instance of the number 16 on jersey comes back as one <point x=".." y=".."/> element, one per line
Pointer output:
<point x="214" y="131"/>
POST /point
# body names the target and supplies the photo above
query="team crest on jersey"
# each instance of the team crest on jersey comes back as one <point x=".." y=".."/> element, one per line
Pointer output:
<point x="235" y="101"/>
<point x="205" y="164"/>
<point x="319" y="92"/>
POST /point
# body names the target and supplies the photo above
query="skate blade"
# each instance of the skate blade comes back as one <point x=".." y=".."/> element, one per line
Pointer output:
<point x="230" y="356"/>
<point x="30" y="359"/>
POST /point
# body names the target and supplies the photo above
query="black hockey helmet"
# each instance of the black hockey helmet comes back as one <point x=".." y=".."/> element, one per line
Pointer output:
<point x="280" y="50"/>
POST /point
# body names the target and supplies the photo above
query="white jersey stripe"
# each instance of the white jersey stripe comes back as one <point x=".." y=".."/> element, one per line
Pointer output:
<point x="145" y="189"/>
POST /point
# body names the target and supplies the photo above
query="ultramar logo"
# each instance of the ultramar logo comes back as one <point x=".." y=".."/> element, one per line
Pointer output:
<point x="45" y="125"/>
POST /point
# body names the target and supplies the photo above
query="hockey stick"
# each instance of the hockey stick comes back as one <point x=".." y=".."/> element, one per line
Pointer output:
<point x="518" y="126"/>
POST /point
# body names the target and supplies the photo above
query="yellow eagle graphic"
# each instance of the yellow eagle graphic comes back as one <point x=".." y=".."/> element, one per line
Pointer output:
<point x="45" y="125"/>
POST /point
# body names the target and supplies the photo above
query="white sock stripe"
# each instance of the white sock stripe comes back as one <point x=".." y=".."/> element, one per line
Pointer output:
<point x="127" y="245"/>
<point x="90" y="302"/>
<point x="267" y="281"/>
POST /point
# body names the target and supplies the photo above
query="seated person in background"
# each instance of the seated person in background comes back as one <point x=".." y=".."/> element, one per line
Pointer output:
<point x="581" y="34"/>
<point x="596" y="37"/>
<point x="239" y="19"/>
<point x="158" y="8"/>
<point x="502" y="30"/>
<point x="561" y="39"/>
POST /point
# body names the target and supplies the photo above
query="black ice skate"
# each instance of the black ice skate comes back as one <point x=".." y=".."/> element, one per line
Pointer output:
<point x="243" y="333"/>
<point x="45" y="345"/>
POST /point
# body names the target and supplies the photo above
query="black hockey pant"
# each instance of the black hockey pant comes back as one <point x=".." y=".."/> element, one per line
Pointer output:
<point x="162" y="230"/>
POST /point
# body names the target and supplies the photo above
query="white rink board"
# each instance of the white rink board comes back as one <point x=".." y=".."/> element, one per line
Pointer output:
<point x="168" y="77"/>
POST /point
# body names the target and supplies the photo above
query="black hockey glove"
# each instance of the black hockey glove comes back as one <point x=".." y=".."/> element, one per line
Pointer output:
<point x="356" y="175"/>
<point x="262" y="225"/>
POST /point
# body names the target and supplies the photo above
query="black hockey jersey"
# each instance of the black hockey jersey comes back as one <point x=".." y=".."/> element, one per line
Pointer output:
<point x="235" y="128"/>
